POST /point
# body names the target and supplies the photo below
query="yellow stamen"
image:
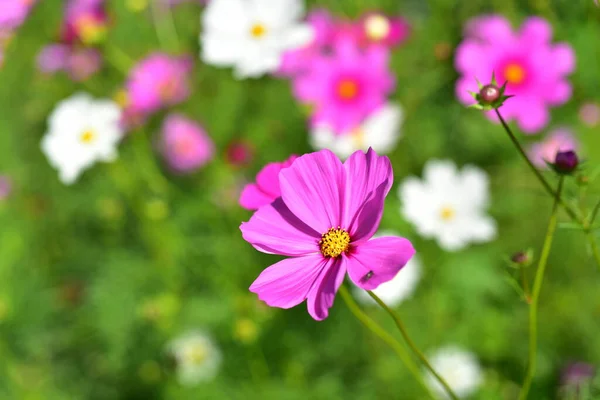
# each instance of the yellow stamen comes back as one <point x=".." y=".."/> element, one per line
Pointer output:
<point x="447" y="213"/>
<point x="88" y="136"/>
<point x="514" y="73"/>
<point x="196" y="355"/>
<point x="377" y="27"/>
<point x="334" y="242"/>
<point x="358" y="138"/>
<point x="347" y="89"/>
<point x="258" y="30"/>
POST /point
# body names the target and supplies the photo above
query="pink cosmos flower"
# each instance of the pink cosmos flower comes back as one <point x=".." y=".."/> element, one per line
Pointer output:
<point x="86" y="21"/>
<point x="346" y="86"/>
<point x="324" y="221"/>
<point x="378" y="28"/>
<point x="589" y="113"/>
<point x="185" y="144"/>
<point x="558" y="140"/>
<point x="297" y="61"/>
<point x="158" y="81"/>
<point x="14" y="12"/>
<point x="266" y="188"/>
<point x="79" y="63"/>
<point x="535" y="70"/>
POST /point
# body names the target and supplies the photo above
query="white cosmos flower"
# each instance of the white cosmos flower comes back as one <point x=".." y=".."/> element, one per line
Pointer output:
<point x="449" y="205"/>
<point x="380" y="130"/>
<point x="81" y="131"/>
<point x="197" y="357"/>
<point x="400" y="287"/>
<point x="459" y="368"/>
<point x="251" y="35"/>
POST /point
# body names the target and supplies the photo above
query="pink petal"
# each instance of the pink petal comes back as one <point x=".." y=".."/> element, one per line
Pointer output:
<point x="320" y="298"/>
<point x="536" y="31"/>
<point x="274" y="229"/>
<point x="288" y="282"/>
<point x="559" y="92"/>
<point x="312" y="189"/>
<point x="533" y="116"/>
<point x="563" y="59"/>
<point x="369" y="178"/>
<point x="252" y="198"/>
<point x="268" y="179"/>
<point x="378" y="260"/>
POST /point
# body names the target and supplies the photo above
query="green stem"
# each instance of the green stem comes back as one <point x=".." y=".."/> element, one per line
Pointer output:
<point x="117" y="58"/>
<point x="594" y="214"/>
<point x="385" y="336"/>
<point x="164" y="26"/>
<point x="595" y="252"/>
<point x="147" y="163"/>
<point x="572" y="213"/>
<point x="537" y="287"/>
<point x="412" y="345"/>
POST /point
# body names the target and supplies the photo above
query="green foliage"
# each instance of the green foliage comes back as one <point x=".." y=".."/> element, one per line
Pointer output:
<point x="96" y="278"/>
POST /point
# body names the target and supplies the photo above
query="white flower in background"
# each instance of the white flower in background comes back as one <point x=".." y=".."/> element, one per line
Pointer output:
<point x="449" y="205"/>
<point x="197" y="357"/>
<point x="460" y="369"/>
<point x="81" y="131"/>
<point x="398" y="288"/>
<point x="251" y="35"/>
<point x="380" y="130"/>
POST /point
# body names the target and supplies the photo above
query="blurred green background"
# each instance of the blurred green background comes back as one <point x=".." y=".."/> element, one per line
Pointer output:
<point x="96" y="278"/>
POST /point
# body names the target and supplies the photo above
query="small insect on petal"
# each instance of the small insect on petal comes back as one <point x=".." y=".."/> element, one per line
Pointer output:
<point x="367" y="276"/>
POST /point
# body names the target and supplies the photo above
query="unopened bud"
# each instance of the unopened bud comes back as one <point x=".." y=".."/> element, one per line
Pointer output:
<point x="489" y="94"/>
<point x="566" y="162"/>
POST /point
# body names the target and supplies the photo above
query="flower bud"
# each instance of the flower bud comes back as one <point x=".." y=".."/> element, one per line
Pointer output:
<point x="520" y="257"/>
<point x="566" y="162"/>
<point x="489" y="94"/>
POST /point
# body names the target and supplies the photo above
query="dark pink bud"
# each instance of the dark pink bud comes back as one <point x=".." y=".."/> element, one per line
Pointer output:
<point x="566" y="162"/>
<point x="489" y="94"/>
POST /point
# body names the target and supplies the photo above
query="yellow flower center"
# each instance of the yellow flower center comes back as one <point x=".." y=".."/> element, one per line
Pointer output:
<point x="334" y="242"/>
<point x="121" y="98"/>
<point x="447" y="213"/>
<point x="377" y="27"/>
<point x="88" y="136"/>
<point x="90" y="30"/>
<point x="347" y="89"/>
<point x="196" y="354"/>
<point x="258" y="30"/>
<point x="358" y="138"/>
<point x="514" y="73"/>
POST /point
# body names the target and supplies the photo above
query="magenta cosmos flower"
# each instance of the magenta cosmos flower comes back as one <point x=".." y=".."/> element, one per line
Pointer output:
<point x="86" y="21"/>
<point x="297" y="61"/>
<point x="557" y="140"/>
<point x="535" y="70"/>
<point x="347" y="85"/>
<point x="324" y="221"/>
<point x="186" y="146"/>
<point x="14" y="12"/>
<point x="378" y="28"/>
<point x="266" y="188"/>
<point x="158" y="81"/>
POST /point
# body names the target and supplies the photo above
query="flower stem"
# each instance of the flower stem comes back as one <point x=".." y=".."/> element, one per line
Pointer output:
<point x="537" y="287"/>
<point x="385" y="336"/>
<point x="570" y="211"/>
<point x="412" y="345"/>
<point x="164" y="26"/>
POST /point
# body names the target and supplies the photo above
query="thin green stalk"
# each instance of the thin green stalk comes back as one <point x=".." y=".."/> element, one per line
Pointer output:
<point x="537" y="287"/>
<point x="594" y="214"/>
<point x="412" y="345"/>
<point x="385" y="336"/>
<point x="117" y="58"/>
<point x="164" y="26"/>
<point x="572" y="213"/>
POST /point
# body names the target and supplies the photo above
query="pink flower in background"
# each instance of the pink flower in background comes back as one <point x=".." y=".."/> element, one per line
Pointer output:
<point x="79" y="63"/>
<point x="297" y="61"/>
<point x="239" y="153"/>
<point x="535" y="69"/>
<point x="185" y="144"/>
<point x="266" y="188"/>
<point x="324" y="221"/>
<point x="378" y="28"/>
<point x="589" y="113"/>
<point x="5" y="187"/>
<point x="558" y="140"/>
<point x="158" y="81"/>
<point x="86" y="21"/>
<point x="346" y="86"/>
<point x="14" y="12"/>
